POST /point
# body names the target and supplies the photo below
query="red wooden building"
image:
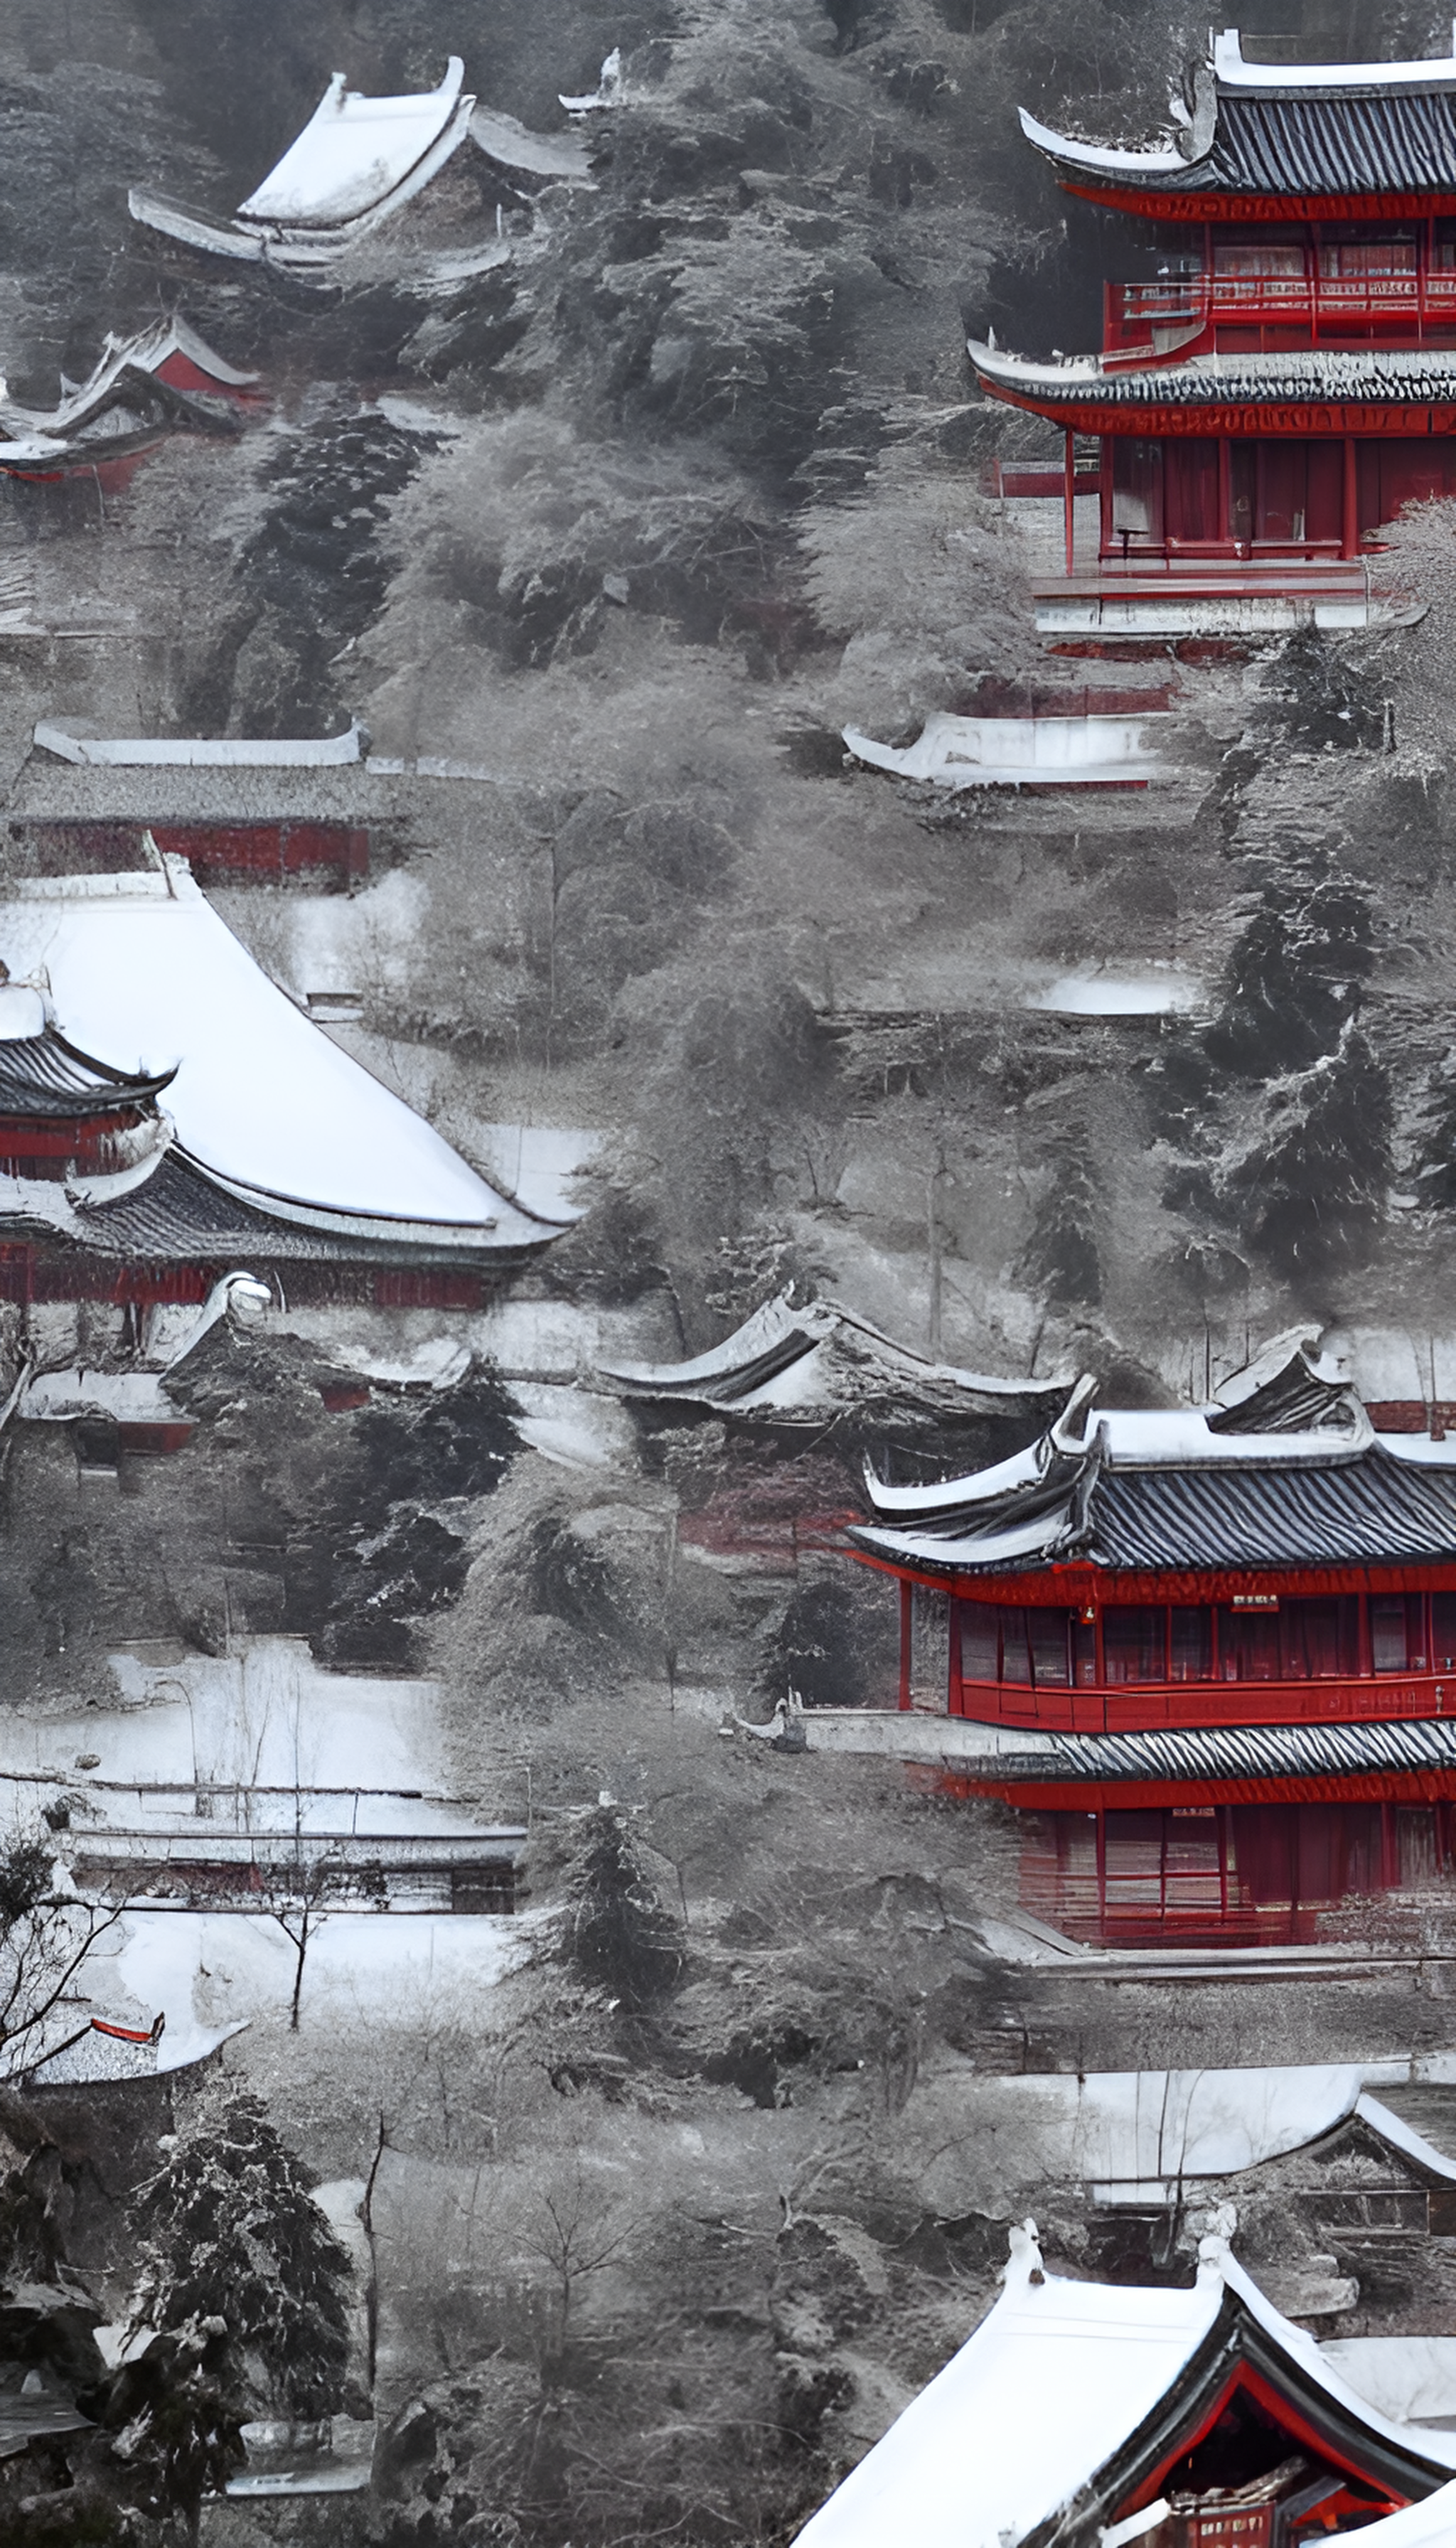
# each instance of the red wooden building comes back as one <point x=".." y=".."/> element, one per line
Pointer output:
<point x="1213" y="1651"/>
<point x="1287" y="380"/>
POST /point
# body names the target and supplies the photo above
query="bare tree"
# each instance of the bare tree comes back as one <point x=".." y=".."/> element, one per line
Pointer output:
<point x="301" y="1891"/>
<point x="46" y="1932"/>
<point x="576" y="2231"/>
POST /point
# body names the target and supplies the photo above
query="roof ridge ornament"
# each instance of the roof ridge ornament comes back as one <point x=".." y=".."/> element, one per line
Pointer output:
<point x="1196" y="121"/>
<point x="1063" y="1435"/>
<point x="1024" y="2266"/>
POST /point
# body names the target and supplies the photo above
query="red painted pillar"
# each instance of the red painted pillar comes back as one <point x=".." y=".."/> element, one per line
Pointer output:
<point x="1069" y="502"/>
<point x="907" y="1631"/>
<point x="1349" y="545"/>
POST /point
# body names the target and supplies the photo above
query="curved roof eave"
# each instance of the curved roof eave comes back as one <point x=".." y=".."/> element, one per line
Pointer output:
<point x="1093" y="154"/>
<point x="509" y="1227"/>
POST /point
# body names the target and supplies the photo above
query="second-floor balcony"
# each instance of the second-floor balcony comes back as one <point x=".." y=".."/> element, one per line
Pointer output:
<point x="1163" y="317"/>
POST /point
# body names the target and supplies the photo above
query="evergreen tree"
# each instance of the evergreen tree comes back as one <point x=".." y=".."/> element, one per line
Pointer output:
<point x="1434" y="1161"/>
<point x="229" y="2232"/>
<point x="1294" y="976"/>
<point x="617" y="1934"/>
<point x="1311" y="697"/>
<point x="1312" y="1185"/>
<point x="175" y="2416"/>
<point x="1060" y="1258"/>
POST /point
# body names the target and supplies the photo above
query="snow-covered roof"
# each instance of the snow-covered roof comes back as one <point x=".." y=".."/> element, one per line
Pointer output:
<point x="1035" y="2412"/>
<point x="1219" y="380"/>
<point x="1266" y="130"/>
<point x="357" y="161"/>
<point x="961" y="752"/>
<point x="1276" y="78"/>
<point x="195" y="752"/>
<point x="1138" y="2135"/>
<point x="272" y="1110"/>
<point x="1282" y="1468"/>
<point x="150" y="352"/>
<point x="803" y="1361"/>
<point x="353" y="152"/>
<point x="1155" y="163"/>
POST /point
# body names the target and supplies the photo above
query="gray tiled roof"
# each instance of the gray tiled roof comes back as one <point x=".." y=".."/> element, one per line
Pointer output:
<point x="43" y="1074"/>
<point x="1373" y="1509"/>
<point x="1238" y="1751"/>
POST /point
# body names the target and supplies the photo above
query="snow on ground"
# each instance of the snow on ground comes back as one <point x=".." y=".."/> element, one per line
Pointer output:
<point x="1163" y="992"/>
<point x="549" y="1340"/>
<point x="208" y="1971"/>
<point x="577" y="1429"/>
<point x="266" y="1716"/>
<point x="1122" y="2134"/>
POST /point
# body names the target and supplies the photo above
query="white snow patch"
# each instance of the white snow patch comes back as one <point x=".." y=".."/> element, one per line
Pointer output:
<point x="1158" y="993"/>
<point x="210" y="1971"/>
<point x="574" y="1427"/>
<point x="1410" y="2378"/>
<point x="539" y="1163"/>
<point x="265" y="1717"/>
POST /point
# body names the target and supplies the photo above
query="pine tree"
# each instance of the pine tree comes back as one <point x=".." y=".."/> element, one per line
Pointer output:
<point x="1311" y="1186"/>
<point x="228" y="2230"/>
<point x="1060" y="1258"/>
<point x="1294" y="976"/>
<point x="1434" y="1161"/>
<point x="617" y="1934"/>
<point x="1311" y="697"/>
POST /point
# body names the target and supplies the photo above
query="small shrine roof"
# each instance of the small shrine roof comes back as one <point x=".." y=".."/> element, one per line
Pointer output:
<point x="802" y="1363"/>
<point x="354" y="151"/>
<point x="977" y="2461"/>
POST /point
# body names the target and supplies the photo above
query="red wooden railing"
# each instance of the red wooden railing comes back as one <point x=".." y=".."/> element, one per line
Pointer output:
<point x="1320" y="302"/>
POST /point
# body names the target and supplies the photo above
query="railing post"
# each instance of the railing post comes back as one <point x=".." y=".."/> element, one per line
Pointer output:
<point x="1351" y="516"/>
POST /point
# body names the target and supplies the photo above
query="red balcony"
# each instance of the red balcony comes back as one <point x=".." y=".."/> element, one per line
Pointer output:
<point x="1181" y="315"/>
